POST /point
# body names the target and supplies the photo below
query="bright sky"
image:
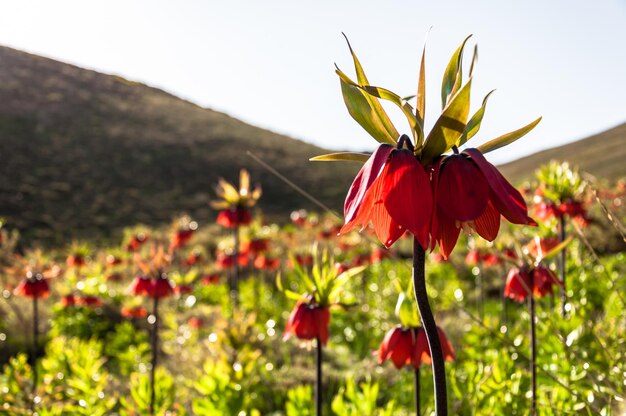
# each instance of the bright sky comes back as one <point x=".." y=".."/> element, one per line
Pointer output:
<point x="270" y="63"/>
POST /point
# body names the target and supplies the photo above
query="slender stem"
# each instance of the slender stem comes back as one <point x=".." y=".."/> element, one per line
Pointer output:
<point x="481" y="292"/>
<point x="430" y="327"/>
<point x="503" y="299"/>
<point x="154" y="344"/>
<point x="533" y="350"/>
<point x="35" y="342"/>
<point x="318" y="377"/>
<point x="418" y="410"/>
<point x="562" y="265"/>
<point x="235" y="278"/>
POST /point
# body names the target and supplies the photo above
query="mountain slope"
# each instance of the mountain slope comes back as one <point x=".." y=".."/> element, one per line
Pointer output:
<point x="603" y="155"/>
<point x="83" y="154"/>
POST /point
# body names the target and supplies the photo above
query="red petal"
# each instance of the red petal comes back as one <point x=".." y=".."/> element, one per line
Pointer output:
<point x="407" y="195"/>
<point x="488" y="223"/>
<point x="422" y="350"/>
<point x="447" y="233"/>
<point x="401" y="354"/>
<point x="463" y="189"/>
<point x="388" y="344"/>
<point x="364" y="179"/>
<point x="322" y="320"/>
<point x="448" y="351"/>
<point x="517" y="285"/>
<point x="504" y="196"/>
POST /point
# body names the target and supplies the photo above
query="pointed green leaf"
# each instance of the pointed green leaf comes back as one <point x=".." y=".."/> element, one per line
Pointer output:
<point x="407" y="110"/>
<point x="420" y="110"/>
<point x="363" y="111"/>
<point x="345" y="156"/>
<point x="474" y="60"/>
<point x="474" y="124"/>
<point x="507" y="138"/>
<point x="449" y="126"/>
<point x="382" y="119"/>
<point x="452" y="75"/>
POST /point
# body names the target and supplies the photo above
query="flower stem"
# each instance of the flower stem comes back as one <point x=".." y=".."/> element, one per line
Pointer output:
<point x="416" y="374"/>
<point x="35" y="342"/>
<point x="318" y="377"/>
<point x="562" y="265"/>
<point x="154" y="345"/>
<point x="430" y="327"/>
<point x="533" y="351"/>
<point x="235" y="278"/>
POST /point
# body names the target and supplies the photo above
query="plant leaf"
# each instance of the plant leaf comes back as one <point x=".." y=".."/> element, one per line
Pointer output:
<point x="474" y="124"/>
<point x="474" y="60"/>
<point x="349" y="156"/>
<point x="364" y="109"/>
<point x="420" y="109"/>
<point x="416" y="127"/>
<point x="452" y="75"/>
<point x="449" y="126"/>
<point x="507" y="138"/>
<point x="378" y="112"/>
<point x="550" y="254"/>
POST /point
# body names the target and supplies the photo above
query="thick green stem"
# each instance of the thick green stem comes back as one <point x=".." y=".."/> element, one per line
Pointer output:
<point x="430" y="327"/>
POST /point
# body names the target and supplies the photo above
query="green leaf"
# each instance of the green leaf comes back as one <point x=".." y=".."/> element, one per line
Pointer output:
<point x="452" y="75"/>
<point x="349" y="156"/>
<point x="420" y="109"/>
<point x="386" y="132"/>
<point x="449" y="126"/>
<point x="474" y="60"/>
<point x="507" y="138"/>
<point x="363" y="110"/>
<point x="416" y="127"/>
<point x="474" y="124"/>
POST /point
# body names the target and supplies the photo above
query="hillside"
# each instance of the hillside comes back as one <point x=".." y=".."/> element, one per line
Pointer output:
<point x="603" y="155"/>
<point x="84" y="154"/>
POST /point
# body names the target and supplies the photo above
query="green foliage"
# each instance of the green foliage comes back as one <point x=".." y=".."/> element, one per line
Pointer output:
<point x="300" y="401"/>
<point x="139" y="401"/>
<point x="559" y="182"/>
<point x="360" y="401"/>
<point x="223" y="389"/>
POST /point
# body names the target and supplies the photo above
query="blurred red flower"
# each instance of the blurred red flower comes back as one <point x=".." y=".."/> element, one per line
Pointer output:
<point x="134" y="312"/>
<point x="140" y="286"/>
<point x="409" y="346"/>
<point x="33" y="286"/>
<point x="308" y="321"/>
<point x="234" y="217"/>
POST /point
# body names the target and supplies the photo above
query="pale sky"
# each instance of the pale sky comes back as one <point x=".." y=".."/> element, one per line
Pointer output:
<point x="271" y="63"/>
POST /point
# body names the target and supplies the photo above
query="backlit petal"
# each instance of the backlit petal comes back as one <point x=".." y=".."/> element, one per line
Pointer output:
<point x="504" y="196"/>
<point x="488" y="223"/>
<point x="406" y="194"/>
<point x="364" y="179"/>
<point x="447" y="233"/>
<point x="463" y="191"/>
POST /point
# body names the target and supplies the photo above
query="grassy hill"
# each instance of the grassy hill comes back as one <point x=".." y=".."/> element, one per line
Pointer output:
<point x="83" y="154"/>
<point x="603" y="155"/>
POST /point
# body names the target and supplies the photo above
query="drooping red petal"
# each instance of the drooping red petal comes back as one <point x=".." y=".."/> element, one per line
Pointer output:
<point x="401" y="354"/>
<point x="434" y="185"/>
<point x="517" y="285"/>
<point x="364" y="179"/>
<point x="389" y="343"/>
<point x="372" y="209"/>
<point x="543" y="280"/>
<point x="504" y="196"/>
<point x="322" y="321"/>
<point x="421" y="351"/>
<point x="488" y="223"/>
<point x="462" y="189"/>
<point x="407" y="195"/>
<point x="446" y="346"/>
<point x="447" y="233"/>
